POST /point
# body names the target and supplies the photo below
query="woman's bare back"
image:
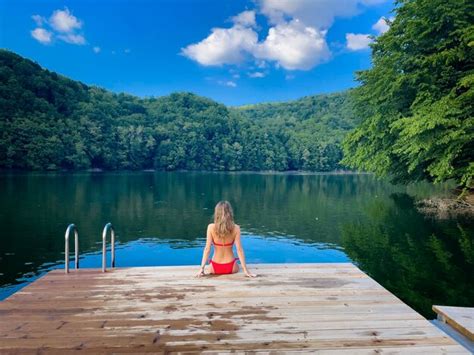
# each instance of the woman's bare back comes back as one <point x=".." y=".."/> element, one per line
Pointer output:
<point x="223" y="251"/>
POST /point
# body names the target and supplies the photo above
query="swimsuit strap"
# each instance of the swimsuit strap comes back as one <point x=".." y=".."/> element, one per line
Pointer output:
<point x="223" y="245"/>
<point x="219" y="244"/>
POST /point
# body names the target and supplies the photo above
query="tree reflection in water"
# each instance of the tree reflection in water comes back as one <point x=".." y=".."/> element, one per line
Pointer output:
<point x="422" y="261"/>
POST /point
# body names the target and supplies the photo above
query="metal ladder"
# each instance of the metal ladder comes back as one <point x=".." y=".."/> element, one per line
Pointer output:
<point x="108" y="227"/>
<point x="71" y="228"/>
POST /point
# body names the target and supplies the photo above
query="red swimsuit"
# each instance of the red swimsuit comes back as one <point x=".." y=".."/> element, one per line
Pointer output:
<point x="226" y="268"/>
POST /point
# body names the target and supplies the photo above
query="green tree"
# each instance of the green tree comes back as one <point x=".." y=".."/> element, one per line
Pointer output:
<point x="416" y="102"/>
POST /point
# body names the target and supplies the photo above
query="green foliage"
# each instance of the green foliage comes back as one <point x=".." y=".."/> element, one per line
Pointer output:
<point x="50" y="122"/>
<point x="416" y="102"/>
<point x="310" y="129"/>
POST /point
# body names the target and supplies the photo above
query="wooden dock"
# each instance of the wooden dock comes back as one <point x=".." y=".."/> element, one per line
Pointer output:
<point x="301" y="308"/>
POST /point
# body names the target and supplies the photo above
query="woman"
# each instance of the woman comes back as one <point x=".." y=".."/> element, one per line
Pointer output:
<point x="223" y="233"/>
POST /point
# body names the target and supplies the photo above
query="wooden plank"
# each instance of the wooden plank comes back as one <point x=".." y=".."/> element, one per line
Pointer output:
<point x="228" y="328"/>
<point x="432" y="350"/>
<point x="460" y="318"/>
<point x="162" y="300"/>
<point x="355" y="318"/>
<point x="308" y="324"/>
<point x="212" y="341"/>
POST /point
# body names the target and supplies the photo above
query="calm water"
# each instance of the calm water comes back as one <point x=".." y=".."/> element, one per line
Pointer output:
<point x="161" y="218"/>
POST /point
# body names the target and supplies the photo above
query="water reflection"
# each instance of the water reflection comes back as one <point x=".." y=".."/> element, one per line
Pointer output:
<point x="422" y="261"/>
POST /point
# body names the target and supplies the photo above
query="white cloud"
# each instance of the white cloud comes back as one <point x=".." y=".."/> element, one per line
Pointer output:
<point x="223" y="46"/>
<point x="39" y="20"/>
<point x="357" y="42"/>
<point x="294" y="46"/>
<point x="62" y="24"/>
<point x="256" y="74"/>
<point x="296" y="39"/>
<point x="73" y="38"/>
<point x="316" y="13"/>
<point x="381" y="26"/>
<point x="41" y="35"/>
<point x="245" y="18"/>
<point x="291" y="45"/>
<point x="64" y="21"/>
<point x="127" y="51"/>
<point x="289" y="77"/>
<point x="96" y="49"/>
<point x="236" y="76"/>
<point x="228" y="83"/>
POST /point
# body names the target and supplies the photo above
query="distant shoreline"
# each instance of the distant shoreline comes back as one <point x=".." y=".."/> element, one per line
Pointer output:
<point x="447" y="208"/>
<point x="262" y="172"/>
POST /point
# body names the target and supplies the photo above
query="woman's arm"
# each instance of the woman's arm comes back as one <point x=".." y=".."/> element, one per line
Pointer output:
<point x="241" y="254"/>
<point x="206" y="252"/>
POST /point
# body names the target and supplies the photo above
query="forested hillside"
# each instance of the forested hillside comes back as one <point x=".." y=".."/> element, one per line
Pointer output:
<point x="50" y="122"/>
<point x="311" y="128"/>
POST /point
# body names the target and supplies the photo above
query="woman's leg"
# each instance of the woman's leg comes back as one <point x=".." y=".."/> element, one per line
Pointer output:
<point x="236" y="267"/>
<point x="211" y="268"/>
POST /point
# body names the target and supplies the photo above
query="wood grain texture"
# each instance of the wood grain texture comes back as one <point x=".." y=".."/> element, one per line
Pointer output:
<point x="460" y="318"/>
<point x="289" y="308"/>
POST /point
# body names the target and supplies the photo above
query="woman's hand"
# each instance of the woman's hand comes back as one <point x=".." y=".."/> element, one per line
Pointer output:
<point x="249" y="274"/>
<point x="200" y="273"/>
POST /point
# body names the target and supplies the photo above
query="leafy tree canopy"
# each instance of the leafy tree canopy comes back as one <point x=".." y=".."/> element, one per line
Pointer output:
<point x="416" y="102"/>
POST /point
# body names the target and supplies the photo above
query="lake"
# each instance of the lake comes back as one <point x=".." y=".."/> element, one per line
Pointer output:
<point x="161" y="218"/>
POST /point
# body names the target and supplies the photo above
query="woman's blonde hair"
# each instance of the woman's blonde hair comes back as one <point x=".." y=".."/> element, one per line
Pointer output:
<point x="223" y="219"/>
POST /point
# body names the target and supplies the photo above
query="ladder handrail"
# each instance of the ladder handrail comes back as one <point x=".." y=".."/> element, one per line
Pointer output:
<point x="104" y="246"/>
<point x="70" y="228"/>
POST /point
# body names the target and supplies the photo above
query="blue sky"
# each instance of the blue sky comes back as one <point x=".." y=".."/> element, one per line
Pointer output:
<point x="234" y="51"/>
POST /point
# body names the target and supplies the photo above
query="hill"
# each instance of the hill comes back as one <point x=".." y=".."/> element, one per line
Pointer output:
<point x="312" y="127"/>
<point x="50" y="122"/>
